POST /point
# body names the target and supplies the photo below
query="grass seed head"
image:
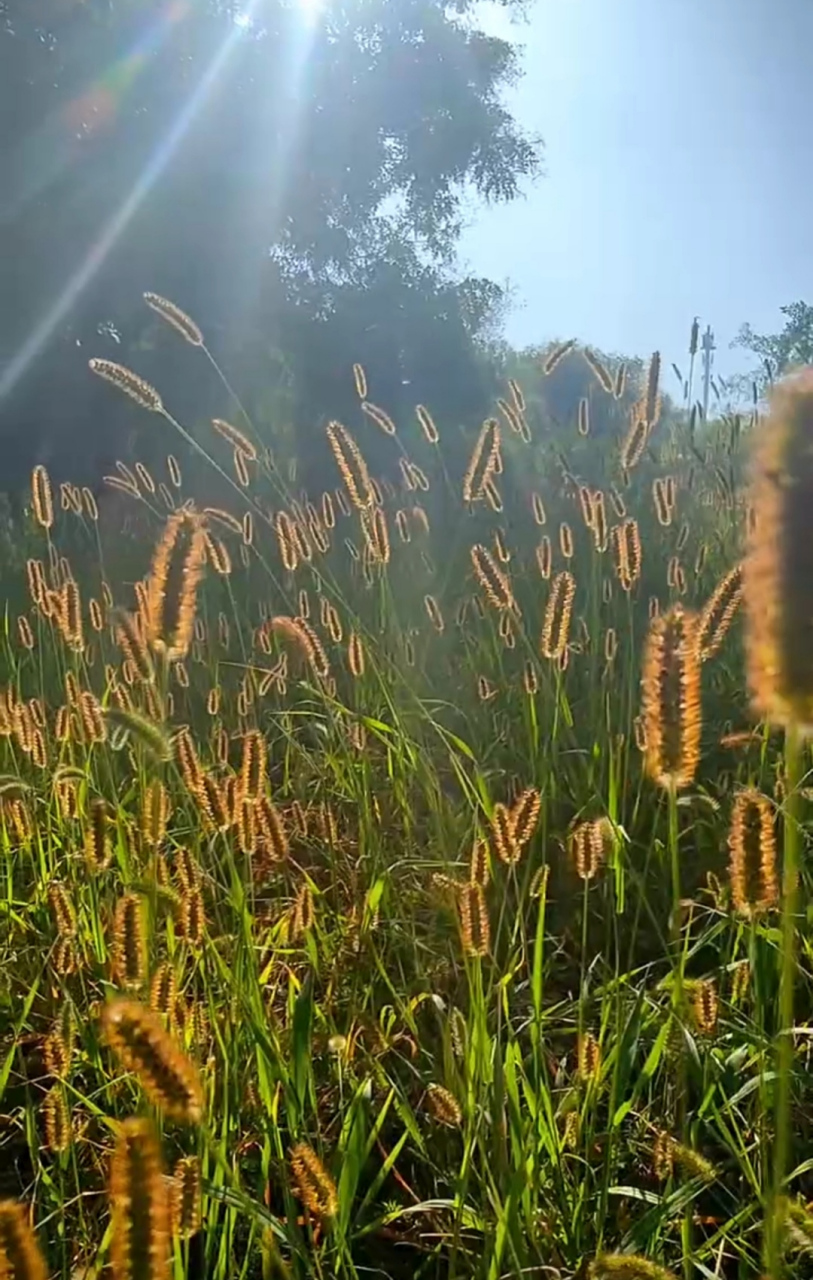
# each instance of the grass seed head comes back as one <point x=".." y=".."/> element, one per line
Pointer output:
<point x="271" y="829"/>
<point x="479" y="866"/>
<point x="671" y="701"/>
<point x="314" y="1185"/>
<point x="42" y="497"/>
<point x="663" y="1156"/>
<point x="589" y="1057"/>
<point x="192" y="917"/>
<point x="474" y="922"/>
<point x="63" y="910"/>
<point x="443" y="1106"/>
<point x="186" y="1197"/>
<point x="557" y="355"/>
<point x="56" y="1120"/>
<point x="558" y="611"/>
<point x="129" y="948"/>
<point x="128" y="382"/>
<point x="141" y="1043"/>
<point x="154" y="814"/>
<point x="503" y="833"/>
<point x="752" y="853"/>
<point x="140" y="1207"/>
<point x="627" y="1266"/>
<point x="494" y="581"/>
<point x="483" y="461"/>
<point x="236" y="438"/>
<point x="705" y="1005"/>
<point x="20" y="1257"/>
<point x="778" y="566"/>
<point x="164" y="989"/>
<point x="174" y="316"/>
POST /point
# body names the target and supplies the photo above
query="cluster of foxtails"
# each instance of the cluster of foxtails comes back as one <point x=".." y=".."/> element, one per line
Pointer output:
<point x="157" y="636"/>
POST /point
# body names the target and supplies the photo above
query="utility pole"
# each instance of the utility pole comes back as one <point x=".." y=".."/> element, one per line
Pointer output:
<point x="708" y="348"/>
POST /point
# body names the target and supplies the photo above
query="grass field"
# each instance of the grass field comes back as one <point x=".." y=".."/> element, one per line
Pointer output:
<point x="391" y="876"/>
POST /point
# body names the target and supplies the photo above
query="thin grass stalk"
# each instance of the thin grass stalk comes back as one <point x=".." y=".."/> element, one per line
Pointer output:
<point x="678" y="962"/>
<point x="783" y="1042"/>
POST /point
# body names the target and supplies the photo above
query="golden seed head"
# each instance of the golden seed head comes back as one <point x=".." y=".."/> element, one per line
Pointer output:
<point x="443" y="1106"/>
<point x="525" y="814"/>
<point x="42" y="498"/>
<point x="192" y="917"/>
<point x="253" y="768"/>
<point x="662" y="509"/>
<point x="434" y="613"/>
<point x="718" y="613"/>
<point x="302" y="913"/>
<point x="186" y="1197"/>
<point x="627" y="1266"/>
<point x="241" y="468"/>
<point x="558" y="611"/>
<point x="188" y="760"/>
<point x="752" y="853"/>
<point x="589" y="1057"/>
<point x="314" y="1185"/>
<point x="163" y="989"/>
<point x="705" y="1006"/>
<point x="187" y="871"/>
<point x="741" y="981"/>
<point x="360" y="379"/>
<point x="56" y="1119"/>
<point x="557" y="355"/>
<point x="97" y="837"/>
<point x="355" y="654"/>
<point x="474" y="922"/>
<point x="601" y="373"/>
<point x="379" y="416"/>
<point x="62" y="909"/>
<point x="140" y="1209"/>
<point x="634" y="442"/>
<point x="141" y="1043"/>
<point x="154" y="814"/>
<point x="128" y="382"/>
<point x="129" y="948"/>
<point x="494" y="580"/>
<point x="588" y="842"/>
<point x="483" y="462"/>
<point x="236" y="438"/>
<point x="504" y="835"/>
<point x="174" y="316"/>
<point x="652" y="400"/>
<point x="479" y="866"/>
<point x="663" y="1156"/>
<point x="671" y="698"/>
<point x="272" y="830"/>
<point x="351" y="465"/>
<point x="65" y="957"/>
<point x="778" y="566"/>
<point x="427" y="423"/>
<point x="20" y="1257"/>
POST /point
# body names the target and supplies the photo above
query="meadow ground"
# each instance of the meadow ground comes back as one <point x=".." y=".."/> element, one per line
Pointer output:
<point x="390" y="874"/>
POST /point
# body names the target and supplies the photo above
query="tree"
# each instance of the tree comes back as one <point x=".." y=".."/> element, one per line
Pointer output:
<point x="246" y="168"/>
<point x="780" y="352"/>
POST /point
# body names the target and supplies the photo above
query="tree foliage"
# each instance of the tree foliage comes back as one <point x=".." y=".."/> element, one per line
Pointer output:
<point x="780" y="352"/>
<point x="296" y="186"/>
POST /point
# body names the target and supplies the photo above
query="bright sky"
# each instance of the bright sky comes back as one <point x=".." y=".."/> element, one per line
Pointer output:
<point x="679" y="163"/>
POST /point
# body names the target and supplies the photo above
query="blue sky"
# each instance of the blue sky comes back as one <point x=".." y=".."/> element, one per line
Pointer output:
<point x="679" y="173"/>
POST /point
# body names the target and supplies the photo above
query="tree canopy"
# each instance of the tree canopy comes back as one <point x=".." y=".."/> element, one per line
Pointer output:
<point x="297" y="185"/>
<point x="780" y="352"/>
